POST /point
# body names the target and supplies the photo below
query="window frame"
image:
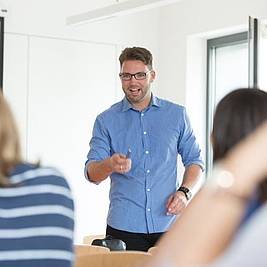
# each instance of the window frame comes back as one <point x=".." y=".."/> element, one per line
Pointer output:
<point x="212" y="45"/>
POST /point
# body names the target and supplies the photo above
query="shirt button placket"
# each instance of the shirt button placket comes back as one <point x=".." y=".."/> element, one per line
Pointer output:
<point x="147" y="159"/>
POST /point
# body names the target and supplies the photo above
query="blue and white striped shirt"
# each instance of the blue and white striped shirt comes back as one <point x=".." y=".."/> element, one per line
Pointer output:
<point x="155" y="136"/>
<point x="36" y="219"/>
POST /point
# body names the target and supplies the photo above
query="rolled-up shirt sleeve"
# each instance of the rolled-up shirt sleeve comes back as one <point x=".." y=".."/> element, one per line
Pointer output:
<point x="188" y="147"/>
<point x="99" y="145"/>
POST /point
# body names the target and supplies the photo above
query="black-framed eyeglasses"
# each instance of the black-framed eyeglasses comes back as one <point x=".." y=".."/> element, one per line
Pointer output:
<point x="125" y="76"/>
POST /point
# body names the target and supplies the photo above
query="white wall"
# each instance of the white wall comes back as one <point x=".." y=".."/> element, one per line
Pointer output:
<point x="48" y="18"/>
<point x="58" y="78"/>
<point x="184" y="29"/>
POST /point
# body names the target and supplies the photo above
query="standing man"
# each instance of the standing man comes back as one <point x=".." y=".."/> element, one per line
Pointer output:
<point x="135" y="143"/>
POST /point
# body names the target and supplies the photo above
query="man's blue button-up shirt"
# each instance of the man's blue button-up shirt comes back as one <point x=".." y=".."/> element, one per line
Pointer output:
<point x="155" y="137"/>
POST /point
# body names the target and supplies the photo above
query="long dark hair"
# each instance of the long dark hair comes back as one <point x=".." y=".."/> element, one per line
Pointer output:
<point x="236" y="116"/>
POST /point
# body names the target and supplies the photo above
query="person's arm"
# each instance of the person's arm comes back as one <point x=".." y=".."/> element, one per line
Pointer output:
<point x="189" y="150"/>
<point x="98" y="171"/>
<point x="249" y="245"/>
<point x="192" y="181"/>
<point x="192" y="177"/>
<point x="210" y="220"/>
<point x="100" y="164"/>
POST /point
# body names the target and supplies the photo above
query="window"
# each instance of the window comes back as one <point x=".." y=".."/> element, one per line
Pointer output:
<point x="227" y="70"/>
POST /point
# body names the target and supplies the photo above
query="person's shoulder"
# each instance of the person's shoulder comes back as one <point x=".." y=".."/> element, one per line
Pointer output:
<point x="34" y="174"/>
<point x="169" y="104"/>
<point x="115" y="108"/>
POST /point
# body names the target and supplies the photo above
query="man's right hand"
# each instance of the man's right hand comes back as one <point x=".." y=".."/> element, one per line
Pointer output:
<point x="99" y="170"/>
<point x="119" y="163"/>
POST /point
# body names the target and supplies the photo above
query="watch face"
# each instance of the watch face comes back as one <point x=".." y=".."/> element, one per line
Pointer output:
<point x="186" y="191"/>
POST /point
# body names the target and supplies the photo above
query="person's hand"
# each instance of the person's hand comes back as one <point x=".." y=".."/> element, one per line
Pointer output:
<point x="119" y="163"/>
<point x="176" y="203"/>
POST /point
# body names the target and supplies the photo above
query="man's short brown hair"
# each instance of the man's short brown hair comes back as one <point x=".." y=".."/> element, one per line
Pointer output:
<point x="137" y="53"/>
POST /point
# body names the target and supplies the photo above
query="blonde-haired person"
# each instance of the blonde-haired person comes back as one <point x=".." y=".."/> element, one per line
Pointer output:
<point x="203" y="235"/>
<point x="10" y="153"/>
<point x="36" y="206"/>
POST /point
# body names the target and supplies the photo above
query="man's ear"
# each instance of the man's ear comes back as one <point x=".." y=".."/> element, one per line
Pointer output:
<point x="153" y="75"/>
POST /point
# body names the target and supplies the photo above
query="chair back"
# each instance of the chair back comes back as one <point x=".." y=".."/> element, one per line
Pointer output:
<point x="113" y="259"/>
<point x="89" y="249"/>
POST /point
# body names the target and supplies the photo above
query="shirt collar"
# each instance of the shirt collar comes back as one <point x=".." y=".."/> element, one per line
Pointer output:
<point x="126" y="105"/>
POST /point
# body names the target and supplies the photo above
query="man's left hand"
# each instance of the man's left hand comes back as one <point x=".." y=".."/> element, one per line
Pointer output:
<point x="176" y="203"/>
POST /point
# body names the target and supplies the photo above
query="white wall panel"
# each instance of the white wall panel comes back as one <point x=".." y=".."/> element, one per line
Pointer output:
<point x="70" y="82"/>
<point x="15" y="80"/>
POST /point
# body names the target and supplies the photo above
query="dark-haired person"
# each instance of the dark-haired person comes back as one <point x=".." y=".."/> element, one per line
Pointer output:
<point x="238" y="114"/>
<point x="218" y="209"/>
<point x="36" y="206"/>
<point x="239" y="176"/>
<point x="136" y="143"/>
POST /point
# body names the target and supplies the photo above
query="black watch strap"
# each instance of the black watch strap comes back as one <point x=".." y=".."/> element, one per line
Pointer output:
<point x="186" y="191"/>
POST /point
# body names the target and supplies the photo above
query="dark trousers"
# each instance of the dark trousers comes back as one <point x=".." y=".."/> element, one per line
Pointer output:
<point x="134" y="241"/>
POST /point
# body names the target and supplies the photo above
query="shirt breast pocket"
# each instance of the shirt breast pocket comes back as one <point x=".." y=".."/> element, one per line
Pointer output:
<point x="124" y="141"/>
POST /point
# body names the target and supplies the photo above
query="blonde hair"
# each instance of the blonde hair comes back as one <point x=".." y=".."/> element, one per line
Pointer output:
<point x="10" y="153"/>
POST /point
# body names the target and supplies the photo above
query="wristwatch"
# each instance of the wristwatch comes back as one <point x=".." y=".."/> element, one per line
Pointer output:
<point x="186" y="191"/>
